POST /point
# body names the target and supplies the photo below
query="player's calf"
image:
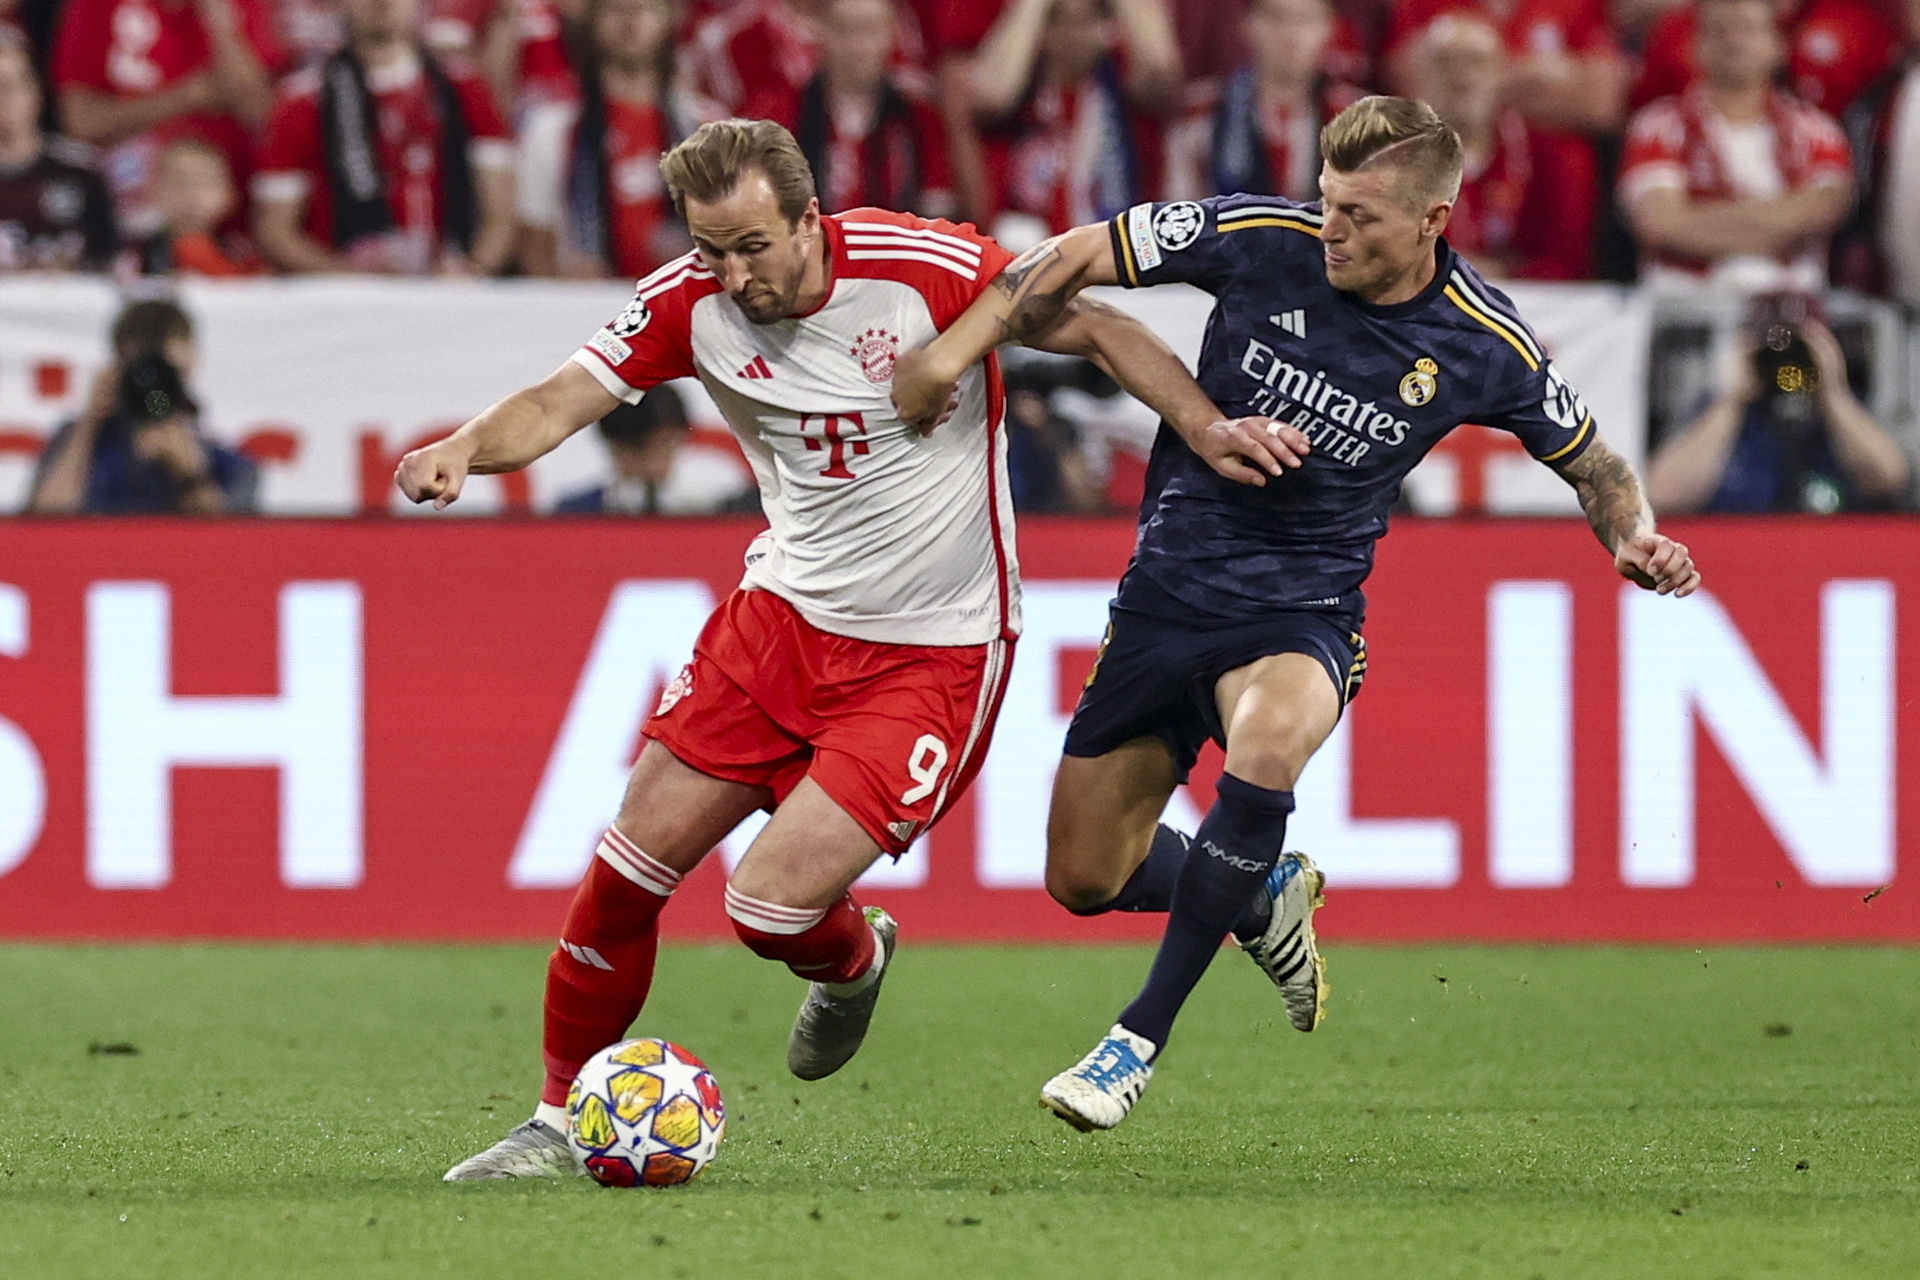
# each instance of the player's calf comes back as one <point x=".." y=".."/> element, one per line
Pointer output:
<point x="842" y="950"/>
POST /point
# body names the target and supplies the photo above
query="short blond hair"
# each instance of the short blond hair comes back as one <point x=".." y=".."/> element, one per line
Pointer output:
<point x="714" y="158"/>
<point x="1403" y="133"/>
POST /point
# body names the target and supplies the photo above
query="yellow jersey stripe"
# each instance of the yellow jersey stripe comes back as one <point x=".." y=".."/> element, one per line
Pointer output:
<point x="1126" y="249"/>
<point x="1453" y="296"/>
<point x="1572" y="444"/>
<point x="1498" y="316"/>
<point x="1290" y="223"/>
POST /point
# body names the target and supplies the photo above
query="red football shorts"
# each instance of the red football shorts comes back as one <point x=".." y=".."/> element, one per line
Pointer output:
<point x="893" y="732"/>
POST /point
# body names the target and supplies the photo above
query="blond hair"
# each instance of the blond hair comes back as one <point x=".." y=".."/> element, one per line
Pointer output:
<point x="713" y="159"/>
<point x="1403" y="133"/>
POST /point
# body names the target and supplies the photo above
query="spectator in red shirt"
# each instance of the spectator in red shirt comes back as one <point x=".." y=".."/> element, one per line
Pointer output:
<point x="134" y="74"/>
<point x="1071" y="86"/>
<point x="1835" y="49"/>
<point x="591" y="199"/>
<point x="872" y="139"/>
<point x="1566" y="71"/>
<point x="1735" y="182"/>
<point x="55" y="213"/>
<point x="519" y="45"/>
<point x="753" y="45"/>
<point x="1526" y="200"/>
<point x="381" y="159"/>
<point x="1259" y="129"/>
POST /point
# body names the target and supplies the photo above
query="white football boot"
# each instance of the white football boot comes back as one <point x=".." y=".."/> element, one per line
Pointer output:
<point x="830" y="1028"/>
<point x="532" y="1150"/>
<point x="1099" y="1091"/>
<point x="1287" y="952"/>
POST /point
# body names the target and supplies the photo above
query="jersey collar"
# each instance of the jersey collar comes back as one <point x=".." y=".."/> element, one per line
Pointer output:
<point x="1442" y="269"/>
<point x="836" y="264"/>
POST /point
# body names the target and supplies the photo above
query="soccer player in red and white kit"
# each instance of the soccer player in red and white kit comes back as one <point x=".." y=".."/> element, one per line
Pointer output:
<point x="851" y="683"/>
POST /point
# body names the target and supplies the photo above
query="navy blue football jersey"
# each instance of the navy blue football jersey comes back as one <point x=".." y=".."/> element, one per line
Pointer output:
<point x="1373" y="387"/>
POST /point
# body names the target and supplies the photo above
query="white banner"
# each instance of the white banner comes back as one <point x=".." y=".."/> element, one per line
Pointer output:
<point x="328" y="380"/>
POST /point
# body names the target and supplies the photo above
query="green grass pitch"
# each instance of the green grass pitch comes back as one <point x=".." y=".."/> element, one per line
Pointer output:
<point x="1497" y="1112"/>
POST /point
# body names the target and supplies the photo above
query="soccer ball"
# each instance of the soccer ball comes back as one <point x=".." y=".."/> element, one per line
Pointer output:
<point x="645" y="1113"/>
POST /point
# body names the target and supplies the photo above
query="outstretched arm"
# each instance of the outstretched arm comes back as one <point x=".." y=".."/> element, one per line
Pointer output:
<point x="1610" y="494"/>
<point x="1026" y="299"/>
<point x="1243" y="449"/>
<point x="1033" y="302"/>
<point x="507" y="436"/>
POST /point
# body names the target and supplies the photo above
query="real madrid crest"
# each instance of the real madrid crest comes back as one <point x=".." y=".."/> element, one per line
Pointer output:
<point x="1419" y="386"/>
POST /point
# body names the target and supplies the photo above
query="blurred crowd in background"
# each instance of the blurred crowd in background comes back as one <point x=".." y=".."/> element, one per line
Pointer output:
<point x="1767" y="149"/>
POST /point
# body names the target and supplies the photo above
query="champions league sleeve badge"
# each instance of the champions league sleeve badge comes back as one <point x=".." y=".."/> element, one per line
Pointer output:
<point x="1177" y="225"/>
<point x="1421" y="385"/>
<point x="632" y="320"/>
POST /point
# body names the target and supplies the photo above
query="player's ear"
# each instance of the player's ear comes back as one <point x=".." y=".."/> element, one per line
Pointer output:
<point x="810" y="217"/>
<point x="1434" y="221"/>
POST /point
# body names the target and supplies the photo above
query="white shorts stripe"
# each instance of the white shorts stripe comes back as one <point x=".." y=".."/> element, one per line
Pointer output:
<point x="965" y="247"/>
<point x="910" y="255"/>
<point x="771" y="917"/>
<point x="990" y="681"/>
<point x="626" y="857"/>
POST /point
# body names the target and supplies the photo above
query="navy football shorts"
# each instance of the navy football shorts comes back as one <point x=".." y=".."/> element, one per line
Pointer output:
<point x="1154" y="677"/>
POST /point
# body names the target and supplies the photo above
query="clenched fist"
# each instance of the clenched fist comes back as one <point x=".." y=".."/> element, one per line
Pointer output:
<point x="435" y="472"/>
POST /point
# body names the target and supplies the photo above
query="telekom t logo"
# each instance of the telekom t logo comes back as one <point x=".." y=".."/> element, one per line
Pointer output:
<point x="833" y="426"/>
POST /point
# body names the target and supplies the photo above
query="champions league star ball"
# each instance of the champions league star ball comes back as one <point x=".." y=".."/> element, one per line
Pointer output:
<point x="645" y="1113"/>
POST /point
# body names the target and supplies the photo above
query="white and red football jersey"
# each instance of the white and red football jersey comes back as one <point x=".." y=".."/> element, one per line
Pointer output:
<point x="875" y="531"/>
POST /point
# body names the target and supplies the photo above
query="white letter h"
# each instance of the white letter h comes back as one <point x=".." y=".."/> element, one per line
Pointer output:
<point x="137" y="731"/>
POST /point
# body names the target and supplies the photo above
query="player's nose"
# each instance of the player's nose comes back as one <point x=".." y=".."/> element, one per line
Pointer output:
<point x="735" y="275"/>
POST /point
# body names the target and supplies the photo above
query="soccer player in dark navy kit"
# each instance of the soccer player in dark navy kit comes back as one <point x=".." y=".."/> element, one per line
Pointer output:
<point x="1353" y="339"/>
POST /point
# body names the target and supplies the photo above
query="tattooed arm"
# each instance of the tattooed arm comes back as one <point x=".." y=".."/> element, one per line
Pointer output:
<point x="1025" y="300"/>
<point x="1610" y="494"/>
<point x="1033" y="302"/>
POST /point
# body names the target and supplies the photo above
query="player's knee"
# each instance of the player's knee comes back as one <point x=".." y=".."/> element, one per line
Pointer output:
<point x="1271" y="759"/>
<point x="1080" y="892"/>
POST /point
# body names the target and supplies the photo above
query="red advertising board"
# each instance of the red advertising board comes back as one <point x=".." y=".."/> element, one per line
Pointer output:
<point x="415" y="729"/>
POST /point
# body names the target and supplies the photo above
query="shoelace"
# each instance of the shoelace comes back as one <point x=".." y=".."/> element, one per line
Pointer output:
<point x="1115" y="1064"/>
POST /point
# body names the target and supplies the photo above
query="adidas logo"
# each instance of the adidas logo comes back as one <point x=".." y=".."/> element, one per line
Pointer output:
<point x="902" y="831"/>
<point x="756" y="368"/>
<point x="585" y="955"/>
<point x="1293" y="322"/>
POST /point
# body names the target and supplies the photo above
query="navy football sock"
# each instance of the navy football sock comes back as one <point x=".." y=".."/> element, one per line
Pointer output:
<point x="1232" y="853"/>
<point x="1150" y="887"/>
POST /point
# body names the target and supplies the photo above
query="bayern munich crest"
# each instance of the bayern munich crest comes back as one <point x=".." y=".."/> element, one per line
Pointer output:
<point x="876" y="350"/>
<point x="670" y="696"/>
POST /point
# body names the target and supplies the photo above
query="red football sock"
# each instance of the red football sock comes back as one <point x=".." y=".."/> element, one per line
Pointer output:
<point x="835" y="945"/>
<point x="599" y="975"/>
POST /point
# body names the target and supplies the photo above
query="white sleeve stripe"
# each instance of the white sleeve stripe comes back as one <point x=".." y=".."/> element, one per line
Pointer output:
<point x="678" y="264"/>
<point x="915" y="233"/>
<point x="919" y="245"/>
<point x="674" y="282"/>
<point x="894" y="255"/>
<point x="1268" y="211"/>
<point x="594" y="363"/>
